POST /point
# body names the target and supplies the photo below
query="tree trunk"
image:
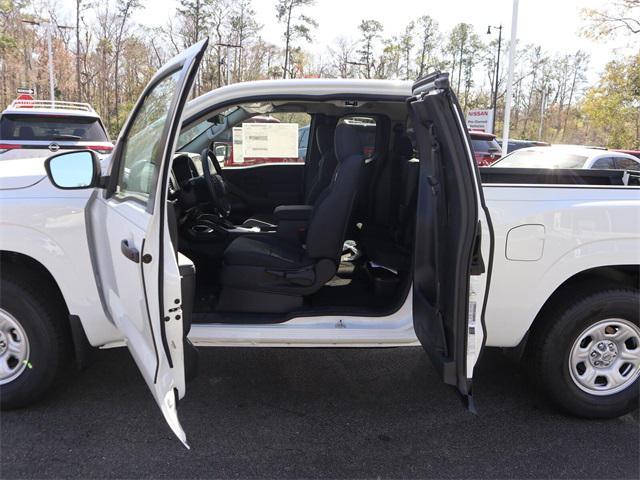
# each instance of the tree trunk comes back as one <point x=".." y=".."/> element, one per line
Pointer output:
<point x="116" y="78"/>
<point x="287" y="39"/>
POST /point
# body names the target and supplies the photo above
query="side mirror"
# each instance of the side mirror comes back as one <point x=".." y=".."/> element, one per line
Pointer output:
<point x="73" y="170"/>
<point x="221" y="151"/>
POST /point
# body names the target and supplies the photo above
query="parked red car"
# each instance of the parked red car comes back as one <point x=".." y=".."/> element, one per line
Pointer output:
<point x="485" y="148"/>
<point x="635" y="153"/>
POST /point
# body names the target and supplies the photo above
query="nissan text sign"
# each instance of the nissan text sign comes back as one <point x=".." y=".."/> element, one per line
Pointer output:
<point x="480" y="119"/>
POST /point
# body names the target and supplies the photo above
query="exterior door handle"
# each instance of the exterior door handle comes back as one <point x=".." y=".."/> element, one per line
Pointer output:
<point x="131" y="253"/>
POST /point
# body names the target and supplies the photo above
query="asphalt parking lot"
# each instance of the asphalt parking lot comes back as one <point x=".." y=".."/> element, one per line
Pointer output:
<point x="256" y="413"/>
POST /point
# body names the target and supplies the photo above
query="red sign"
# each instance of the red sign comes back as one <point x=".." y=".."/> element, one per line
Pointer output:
<point x="25" y="100"/>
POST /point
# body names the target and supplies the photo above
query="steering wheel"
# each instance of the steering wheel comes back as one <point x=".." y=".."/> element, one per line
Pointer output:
<point x="215" y="183"/>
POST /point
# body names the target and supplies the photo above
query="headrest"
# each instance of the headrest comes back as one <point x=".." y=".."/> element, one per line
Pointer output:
<point x="324" y="137"/>
<point x="347" y="142"/>
<point x="404" y="147"/>
<point x="26" y="132"/>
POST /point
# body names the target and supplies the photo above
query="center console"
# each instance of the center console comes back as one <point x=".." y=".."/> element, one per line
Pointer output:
<point x="210" y="234"/>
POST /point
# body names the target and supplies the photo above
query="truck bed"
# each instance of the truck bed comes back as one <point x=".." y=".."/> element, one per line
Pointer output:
<point x="547" y="176"/>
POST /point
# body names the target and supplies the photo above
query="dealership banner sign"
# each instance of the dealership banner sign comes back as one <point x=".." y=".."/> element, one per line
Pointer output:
<point x="480" y="119"/>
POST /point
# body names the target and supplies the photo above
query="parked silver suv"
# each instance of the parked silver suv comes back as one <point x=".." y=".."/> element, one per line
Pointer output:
<point x="35" y="128"/>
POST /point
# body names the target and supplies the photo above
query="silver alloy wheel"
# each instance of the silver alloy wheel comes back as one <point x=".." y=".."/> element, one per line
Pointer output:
<point x="14" y="348"/>
<point x="605" y="358"/>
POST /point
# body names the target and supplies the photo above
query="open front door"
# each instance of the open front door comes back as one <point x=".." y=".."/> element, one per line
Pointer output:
<point x="453" y="237"/>
<point x="133" y="258"/>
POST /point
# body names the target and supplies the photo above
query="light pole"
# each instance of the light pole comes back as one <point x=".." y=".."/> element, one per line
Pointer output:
<point x="229" y="47"/>
<point x="49" y="26"/>
<point x="495" y="77"/>
<point x="509" y="93"/>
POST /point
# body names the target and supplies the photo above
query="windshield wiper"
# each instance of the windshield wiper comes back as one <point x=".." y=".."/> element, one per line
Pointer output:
<point x="67" y="137"/>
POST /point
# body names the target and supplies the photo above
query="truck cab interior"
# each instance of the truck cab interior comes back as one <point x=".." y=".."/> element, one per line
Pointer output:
<point x="312" y="215"/>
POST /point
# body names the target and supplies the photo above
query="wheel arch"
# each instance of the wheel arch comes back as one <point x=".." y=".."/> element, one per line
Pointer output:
<point x="15" y="263"/>
<point x="587" y="281"/>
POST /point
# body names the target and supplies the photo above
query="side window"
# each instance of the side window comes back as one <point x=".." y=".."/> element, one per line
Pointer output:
<point x="605" y="163"/>
<point x="142" y="145"/>
<point x="623" y="163"/>
<point x="366" y="127"/>
<point x="278" y="137"/>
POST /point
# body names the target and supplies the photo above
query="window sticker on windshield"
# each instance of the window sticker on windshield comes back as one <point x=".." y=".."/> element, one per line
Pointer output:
<point x="272" y="140"/>
<point x="238" y="153"/>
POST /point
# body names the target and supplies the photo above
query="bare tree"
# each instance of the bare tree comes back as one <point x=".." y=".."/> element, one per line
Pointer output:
<point x="429" y="36"/>
<point x="341" y="53"/>
<point x="297" y="25"/>
<point x="619" y="16"/>
<point x="125" y="8"/>
<point x="242" y="28"/>
<point x="370" y="30"/>
<point x="406" y="45"/>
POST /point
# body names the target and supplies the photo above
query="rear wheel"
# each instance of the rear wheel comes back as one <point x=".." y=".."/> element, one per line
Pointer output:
<point x="34" y="343"/>
<point x="587" y="354"/>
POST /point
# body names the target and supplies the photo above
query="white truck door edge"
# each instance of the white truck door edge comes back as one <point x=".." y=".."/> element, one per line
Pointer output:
<point x="453" y="237"/>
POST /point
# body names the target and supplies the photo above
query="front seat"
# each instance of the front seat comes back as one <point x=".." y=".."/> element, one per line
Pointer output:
<point x="26" y="133"/>
<point x="268" y="274"/>
<point x="324" y="135"/>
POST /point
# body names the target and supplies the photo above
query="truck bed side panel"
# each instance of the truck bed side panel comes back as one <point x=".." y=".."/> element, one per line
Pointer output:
<point x="583" y="227"/>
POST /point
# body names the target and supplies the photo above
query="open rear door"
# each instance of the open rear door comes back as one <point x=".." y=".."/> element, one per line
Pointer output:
<point x="133" y="258"/>
<point x="453" y="237"/>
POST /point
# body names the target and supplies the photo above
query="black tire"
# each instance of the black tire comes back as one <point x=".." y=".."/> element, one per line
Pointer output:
<point x="550" y="346"/>
<point x="42" y="317"/>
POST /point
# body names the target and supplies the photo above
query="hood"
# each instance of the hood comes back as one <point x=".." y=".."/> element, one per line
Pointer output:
<point x="21" y="173"/>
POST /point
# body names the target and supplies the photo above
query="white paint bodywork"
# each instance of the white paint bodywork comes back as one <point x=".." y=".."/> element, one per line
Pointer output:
<point x="584" y="227"/>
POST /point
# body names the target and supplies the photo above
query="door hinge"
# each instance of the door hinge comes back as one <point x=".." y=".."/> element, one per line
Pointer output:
<point x="477" y="262"/>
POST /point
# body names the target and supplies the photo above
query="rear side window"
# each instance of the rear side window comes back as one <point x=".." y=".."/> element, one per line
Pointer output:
<point x="622" y="163"/>
<point x="51" y="127"/>
<point x="604" y="163"/>
<point x="366" y="128"/>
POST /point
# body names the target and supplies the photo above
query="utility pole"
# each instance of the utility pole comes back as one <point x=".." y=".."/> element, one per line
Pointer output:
<point x="507" y="100"/>
<point x="229" y="46"/>
<point x="49" y="26"/>
<point x="496" y="77"/>
<point x="360" y="64"/>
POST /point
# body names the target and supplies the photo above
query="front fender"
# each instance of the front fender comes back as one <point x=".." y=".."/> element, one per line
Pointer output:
<point x="53" y="233"/>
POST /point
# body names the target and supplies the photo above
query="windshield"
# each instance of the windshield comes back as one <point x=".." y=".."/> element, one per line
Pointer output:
<point x="541" y="159"/>
<point x="51" y="127"/>
<point x="194" y="130"/>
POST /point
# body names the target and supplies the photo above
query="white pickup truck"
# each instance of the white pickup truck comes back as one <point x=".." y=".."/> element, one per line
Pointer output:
<point x="386" y="235"/>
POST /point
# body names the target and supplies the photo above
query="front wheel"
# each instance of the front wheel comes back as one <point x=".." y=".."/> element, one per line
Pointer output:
<point x="34" y="343"/>
<point x="587" y="355"/>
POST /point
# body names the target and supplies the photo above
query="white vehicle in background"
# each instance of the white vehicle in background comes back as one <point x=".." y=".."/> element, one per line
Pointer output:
<point x="163" y="251"/>
<point x="569" y="156"/>
<point x="38" y="128"/>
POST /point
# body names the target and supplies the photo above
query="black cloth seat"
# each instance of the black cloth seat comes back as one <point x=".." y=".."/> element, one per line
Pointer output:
<point x="265" y="251"/>
<point x="390" y="244"/>
<point x="327" y="164"/>
<point x="267" y="273"/>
